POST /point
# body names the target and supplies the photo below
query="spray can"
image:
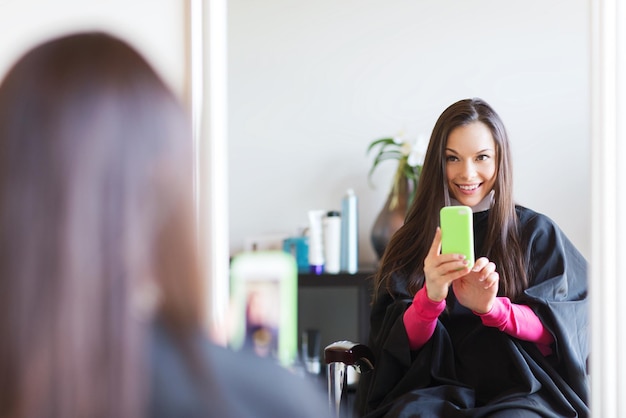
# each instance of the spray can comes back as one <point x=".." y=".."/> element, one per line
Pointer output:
<point x="349" y="233"/>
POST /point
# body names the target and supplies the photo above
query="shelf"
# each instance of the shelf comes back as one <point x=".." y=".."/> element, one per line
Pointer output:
<point x="364" y="278"/>
<point x="362" y="282"/>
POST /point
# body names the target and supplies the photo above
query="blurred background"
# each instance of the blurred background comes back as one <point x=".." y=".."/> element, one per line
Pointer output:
<point x="311" y="84"/>
<point x="157" y="28"/>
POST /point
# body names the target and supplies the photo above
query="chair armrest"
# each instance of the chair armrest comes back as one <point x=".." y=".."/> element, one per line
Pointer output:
<point x="352" y="354"/>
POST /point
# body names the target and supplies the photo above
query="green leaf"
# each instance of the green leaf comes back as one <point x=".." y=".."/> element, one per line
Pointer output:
<point x="383" y="141"/>
<point x="388" y="149"/>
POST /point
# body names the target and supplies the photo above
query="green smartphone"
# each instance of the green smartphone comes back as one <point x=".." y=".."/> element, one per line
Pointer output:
<point x="264" y="310"/>
<point x="457" y="232"/>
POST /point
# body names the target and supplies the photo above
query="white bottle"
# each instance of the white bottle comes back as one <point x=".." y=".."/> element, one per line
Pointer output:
<point x="332" y="242"/>
<point x="316" y="241"/>
<point x="349" y="233"/>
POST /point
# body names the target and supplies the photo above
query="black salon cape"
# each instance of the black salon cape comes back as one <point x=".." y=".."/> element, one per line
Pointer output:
<point x="469" y="370"/>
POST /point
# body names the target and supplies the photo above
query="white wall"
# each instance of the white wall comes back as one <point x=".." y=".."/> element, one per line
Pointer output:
<point x="156" y="27"/>
<point x="312" y="83"/>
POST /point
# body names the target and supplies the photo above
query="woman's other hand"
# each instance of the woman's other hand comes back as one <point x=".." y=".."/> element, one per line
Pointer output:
<point x="477" y="290"/>
<point x="440" y="270"/>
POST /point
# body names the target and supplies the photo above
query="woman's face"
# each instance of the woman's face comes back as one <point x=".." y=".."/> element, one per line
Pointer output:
<point x="470" y="163"/>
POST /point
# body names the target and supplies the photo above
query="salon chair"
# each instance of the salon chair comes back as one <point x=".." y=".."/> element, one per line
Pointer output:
<point x="338" y="356"/>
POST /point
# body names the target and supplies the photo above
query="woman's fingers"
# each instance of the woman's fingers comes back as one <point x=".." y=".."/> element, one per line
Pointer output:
<point x="484" y="268"/>
<point x="442" y="269"/>
<point x="486" y="272"/>
<point x="435" y="252"/>
<point x="435" y="247"/>
<point x="480" y="264"/>
<point x="447" y="265"/>
<point x="442" y="264"/>
<point x="492" y="280"/>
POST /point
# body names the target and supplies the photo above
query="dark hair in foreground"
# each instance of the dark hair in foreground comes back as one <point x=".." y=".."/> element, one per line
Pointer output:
<point x="408" y="248"/>
<point x="96" y="218"/>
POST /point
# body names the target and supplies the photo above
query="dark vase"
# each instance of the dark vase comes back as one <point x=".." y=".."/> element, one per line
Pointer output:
<point x="391" y="216"/>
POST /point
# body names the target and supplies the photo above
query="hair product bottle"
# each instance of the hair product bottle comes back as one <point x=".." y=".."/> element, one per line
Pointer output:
<point x="316" y="241"/>
<point x="349" y="233"/>
<point x="332" y="242"/>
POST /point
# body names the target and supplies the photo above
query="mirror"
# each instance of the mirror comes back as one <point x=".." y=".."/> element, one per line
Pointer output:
<point x="553" y="149"/>
<point x="311" y="84"/>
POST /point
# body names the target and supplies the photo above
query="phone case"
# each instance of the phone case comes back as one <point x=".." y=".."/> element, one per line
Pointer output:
<point x="457" y="231"/>
<point x="264" y="310"/>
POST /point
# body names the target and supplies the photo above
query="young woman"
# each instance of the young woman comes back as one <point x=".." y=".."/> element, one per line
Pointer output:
<point x="506" y="337"/>
<point x="100" y="285"/>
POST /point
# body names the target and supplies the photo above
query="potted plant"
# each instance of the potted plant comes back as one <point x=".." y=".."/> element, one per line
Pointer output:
<point x="409" y="155"/>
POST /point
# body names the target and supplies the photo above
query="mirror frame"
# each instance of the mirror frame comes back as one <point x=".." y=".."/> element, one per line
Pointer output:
<point x="608" y="311"/>
<point x="207" y="98"/>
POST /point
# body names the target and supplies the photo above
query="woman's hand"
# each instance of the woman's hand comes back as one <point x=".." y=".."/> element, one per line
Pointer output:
<point x="442" y="269"/>
<point x="478" y="289"/>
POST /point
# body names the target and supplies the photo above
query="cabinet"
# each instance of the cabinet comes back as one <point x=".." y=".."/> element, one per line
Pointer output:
<point x="338" y="305"/>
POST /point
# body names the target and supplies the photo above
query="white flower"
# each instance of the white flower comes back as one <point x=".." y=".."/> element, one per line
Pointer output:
<point x="400" y="138"/>
<point x="417" y="151"/>
<point x="406" y="148"/>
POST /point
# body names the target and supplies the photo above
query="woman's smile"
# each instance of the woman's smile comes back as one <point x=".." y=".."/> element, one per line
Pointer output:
<point x="469" y="188"/>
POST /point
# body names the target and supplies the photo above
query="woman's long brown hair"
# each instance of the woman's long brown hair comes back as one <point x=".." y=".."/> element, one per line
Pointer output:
<point x="95" y="220"/>
<point x="404" y="256"/>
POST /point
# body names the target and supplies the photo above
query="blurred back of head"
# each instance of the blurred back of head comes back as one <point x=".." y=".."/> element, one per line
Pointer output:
<point x="96" y="222"/>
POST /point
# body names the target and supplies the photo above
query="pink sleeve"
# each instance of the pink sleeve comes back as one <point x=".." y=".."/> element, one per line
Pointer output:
<point x="518" y="321"/>
<point x="420" y="319"/>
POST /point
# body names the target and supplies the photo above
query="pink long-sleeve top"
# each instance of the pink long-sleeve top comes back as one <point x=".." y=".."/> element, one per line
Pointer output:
<point x="519" y="321"/>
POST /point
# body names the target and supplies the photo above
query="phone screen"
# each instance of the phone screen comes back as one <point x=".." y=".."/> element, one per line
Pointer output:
<point x="264" y="304"/>
<point x="457" y="231"/>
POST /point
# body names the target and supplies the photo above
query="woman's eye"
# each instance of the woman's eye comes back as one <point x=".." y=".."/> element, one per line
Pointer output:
<point x="482" y="157"/>
<point x="451" y="158"/>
